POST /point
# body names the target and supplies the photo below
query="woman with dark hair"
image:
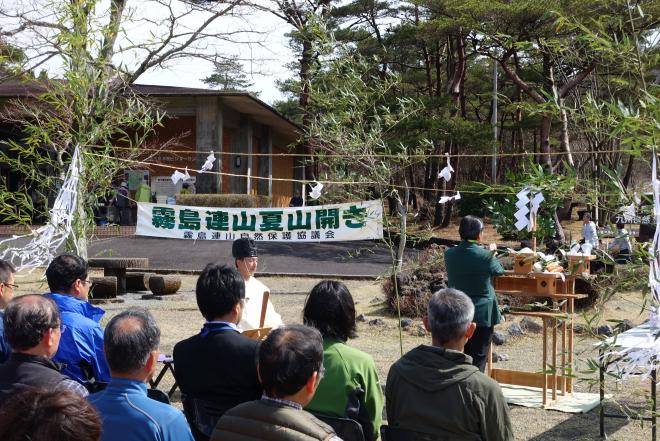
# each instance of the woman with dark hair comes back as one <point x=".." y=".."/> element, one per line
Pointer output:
<point x="470" y="268"/>
<point x="350" y="386"/>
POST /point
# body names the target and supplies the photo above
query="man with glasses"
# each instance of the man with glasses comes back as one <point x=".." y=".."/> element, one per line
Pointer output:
<point x="290" y="369"/>
<point x="7" y="288"/>
<point x="244" y="251"/>
<point x="81" y="348"/>
<point x="33" y="329"/>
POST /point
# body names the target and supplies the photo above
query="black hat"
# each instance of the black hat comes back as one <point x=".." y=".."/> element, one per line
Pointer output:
<point x="243" y="248"/>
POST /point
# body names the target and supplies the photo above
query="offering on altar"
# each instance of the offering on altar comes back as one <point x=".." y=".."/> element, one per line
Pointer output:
<point x="524" y="261"/>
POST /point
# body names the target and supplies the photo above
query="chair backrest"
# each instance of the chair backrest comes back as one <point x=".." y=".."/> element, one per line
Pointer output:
<point x="389" y="433"/>
<point x="345" y="428"/>
<point x="202" y="416"/>
<point x="158" y="395"/>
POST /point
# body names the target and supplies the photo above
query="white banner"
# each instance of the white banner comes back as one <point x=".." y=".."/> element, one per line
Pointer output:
<point x="337" y="222"/>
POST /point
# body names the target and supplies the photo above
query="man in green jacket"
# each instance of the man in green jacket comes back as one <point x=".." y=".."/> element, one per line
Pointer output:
<point x="290" y="369"/>
<point x="470" y="268"/>
<point x="435" y="390"/>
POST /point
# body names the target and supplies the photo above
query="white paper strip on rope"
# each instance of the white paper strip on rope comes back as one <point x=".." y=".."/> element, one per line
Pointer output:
<point x="208" y="164"/>
<point x="316" y="191"/>
<point x="334" y="222"/>
<point x="445" y="199"/>
<point x="46" y="241"/>
<point x="446" y="172"/>
<point x="177" y="176"/>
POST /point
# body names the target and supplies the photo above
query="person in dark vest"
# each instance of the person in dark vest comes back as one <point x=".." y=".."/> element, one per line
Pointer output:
<point x="218" y="365"/>
<point x="33" y="329"/>
<point x="290" y="369"/>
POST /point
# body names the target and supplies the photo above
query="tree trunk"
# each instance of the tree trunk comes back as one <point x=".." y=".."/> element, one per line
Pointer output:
<point x="303" y="102"/>
<point x="559" y="235"/>
<point x="403" y="211"/>
<point x="545" y="157"/>
<point x="629" y="170"/>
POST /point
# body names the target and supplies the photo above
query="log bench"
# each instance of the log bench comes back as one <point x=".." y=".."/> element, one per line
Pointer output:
<point x="104" y="287"/>
<point x="116" y="266"/>
<point x="164" y="285"/>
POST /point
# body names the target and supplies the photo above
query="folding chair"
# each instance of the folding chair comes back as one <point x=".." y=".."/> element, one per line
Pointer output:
<point x="389" y="433"/>
<point x="202" y="416"/>
<point x="347" y="429"/>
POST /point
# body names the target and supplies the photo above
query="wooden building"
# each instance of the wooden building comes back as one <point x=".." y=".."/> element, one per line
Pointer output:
<point x="250" y="139"/>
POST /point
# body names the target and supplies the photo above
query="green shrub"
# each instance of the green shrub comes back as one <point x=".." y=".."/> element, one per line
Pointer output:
<point x="472" y="201"/>
<point x="223" y="200"/>
<point x="502" y="212"/>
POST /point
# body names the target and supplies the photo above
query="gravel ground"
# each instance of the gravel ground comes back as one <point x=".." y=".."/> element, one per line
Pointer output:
<point x="179" y="318"/>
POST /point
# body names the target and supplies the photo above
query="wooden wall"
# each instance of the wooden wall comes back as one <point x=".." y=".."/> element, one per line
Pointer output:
<point x="181" y="128"/>
<point x="282" y="168"/>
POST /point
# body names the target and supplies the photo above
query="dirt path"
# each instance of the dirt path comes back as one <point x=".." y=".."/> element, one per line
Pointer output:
<point x="179" y="318"/>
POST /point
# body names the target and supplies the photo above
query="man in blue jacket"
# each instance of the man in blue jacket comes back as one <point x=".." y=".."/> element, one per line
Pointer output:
<point x="82" y="339"/>
<point x="131" y="346"/>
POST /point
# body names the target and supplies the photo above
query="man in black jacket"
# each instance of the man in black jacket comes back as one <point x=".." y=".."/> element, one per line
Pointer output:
<point x="33" y="329"/>
<point x="217" y="367"/>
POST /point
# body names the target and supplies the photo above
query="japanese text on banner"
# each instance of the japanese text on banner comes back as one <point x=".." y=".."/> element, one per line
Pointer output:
<point x="337" y="222"/>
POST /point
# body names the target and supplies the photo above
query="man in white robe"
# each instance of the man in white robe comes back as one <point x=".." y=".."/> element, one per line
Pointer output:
<point x="244" y="251"/>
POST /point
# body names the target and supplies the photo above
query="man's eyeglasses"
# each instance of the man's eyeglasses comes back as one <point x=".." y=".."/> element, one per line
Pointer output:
<point x="12" y="285"/>
<point x="86" y="281"/>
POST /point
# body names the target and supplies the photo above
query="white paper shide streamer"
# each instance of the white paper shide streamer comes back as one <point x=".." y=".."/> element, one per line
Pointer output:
<point x="446" y="172"/>
<point x="178" y="176"/>
<point x="316" y="191"/>
<point x="644" y="356"/>
<point x="524" y="216"/>
<point x="208" y="164"/>
<point x="45" y="242"/>
<point x="445" y="199"/>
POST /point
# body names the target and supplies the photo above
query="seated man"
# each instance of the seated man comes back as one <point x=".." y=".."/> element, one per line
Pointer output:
<point x="290" y="368"/>
<point x="245" y="254"/>
<point x="218" y="365"/>
<point x="82" y="341"/>
<point x="6" y="293"/>
<point x="33" y="329"/>
<point x="452" y="398"/>
<point x="131" y="346"/>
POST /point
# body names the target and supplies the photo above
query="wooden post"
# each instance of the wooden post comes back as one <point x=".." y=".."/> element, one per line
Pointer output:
<point x="545" y="361"/>
<point x="489" y="360"/>
<point x="554" y="359"/>
<point x="563" y="354"/>
<point x="249" y="157"/>
<point x="571" y="305"/>
<point x="533" y="219"/>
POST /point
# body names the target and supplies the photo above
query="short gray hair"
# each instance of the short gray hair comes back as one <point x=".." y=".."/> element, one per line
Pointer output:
<point x="27" y="318"/>
<point x="450" y="314"/>
<point x="470" y="227"/>
<point x="129" y="338"/>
